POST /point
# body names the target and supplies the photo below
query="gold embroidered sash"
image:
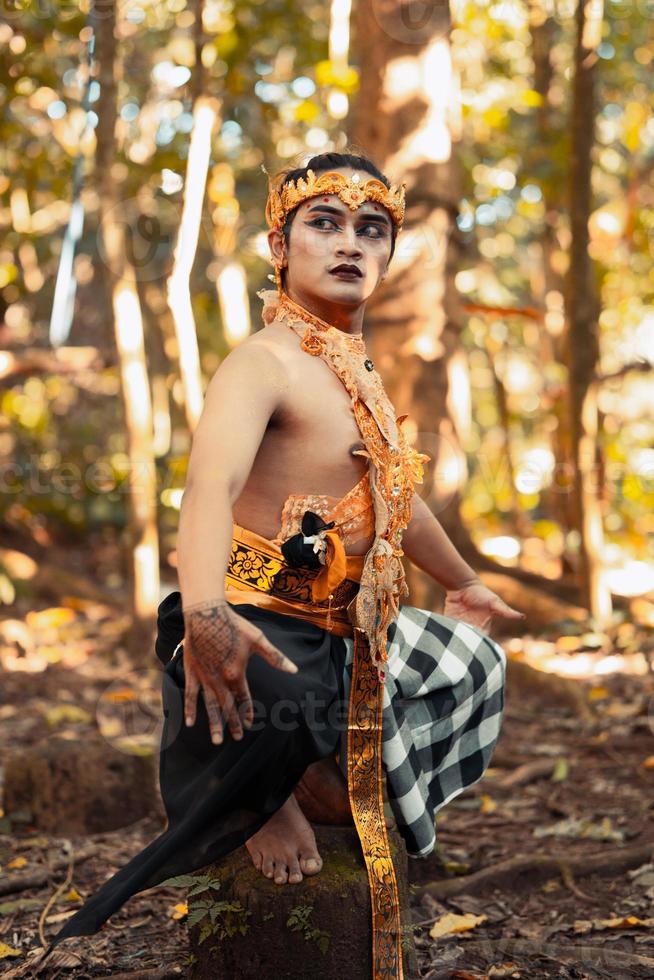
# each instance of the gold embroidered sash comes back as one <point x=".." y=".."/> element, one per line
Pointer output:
<point x="258" y="573"/>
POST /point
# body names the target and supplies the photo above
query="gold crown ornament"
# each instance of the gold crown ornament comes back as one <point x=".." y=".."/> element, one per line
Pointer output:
<point x="351" y="190"/>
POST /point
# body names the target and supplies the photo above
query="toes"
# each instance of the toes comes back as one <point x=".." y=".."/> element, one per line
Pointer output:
<point x="257" y="859"/>
<point x="311" y="865"/>
<point x="281" y="873"/>
<point x="294" y="872"/>
<point x="267" y="866"/>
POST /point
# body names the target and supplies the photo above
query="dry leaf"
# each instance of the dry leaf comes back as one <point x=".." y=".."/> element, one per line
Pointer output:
<point x="581" y="827"/>
<point x="7" y="951"/>
<point x="623" y="922"/>
<point x="488" y="805"/>
<point x="44" y="618"/>
<point x="36" y="842"/>
<point x="66" y="713"/>
<point x="120" y="695"/>
<point x="18" y="862"/>
<point x="451" y="923"/>
<point x="60" y="916"/>
<point x="561" y="771"/>
<point x="64" y="959"/>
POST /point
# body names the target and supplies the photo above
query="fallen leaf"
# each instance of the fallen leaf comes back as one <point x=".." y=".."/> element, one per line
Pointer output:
<point x="622" y="922"/>
<point x="35" y="842"/>
<point x="64" y="959"/>
<point x="561" y="771"/>
<point x="18" y="862"/>
<point x="6" y="951"/>
<point x="451" y="923"/>
<point x="649" y="762"/>
<point x="66" y="713"/>
<point x="19" y="904"/>
<point x="488" y="805"/>
<point x="578" y="827"/>
<point x="120" y="695"/>
<point x="44" y="618"/>
<point x="60" y="916"/>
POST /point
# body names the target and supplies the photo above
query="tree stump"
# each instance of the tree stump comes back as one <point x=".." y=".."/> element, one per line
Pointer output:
<point x="253" y="929"/>
<point x="79" y="787"/>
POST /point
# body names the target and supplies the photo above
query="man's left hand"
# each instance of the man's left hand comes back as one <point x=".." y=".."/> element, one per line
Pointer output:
<point x="475" y="604"/>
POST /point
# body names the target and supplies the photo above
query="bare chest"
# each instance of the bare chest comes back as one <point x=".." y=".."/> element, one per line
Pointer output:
<point x="309" y="446"/>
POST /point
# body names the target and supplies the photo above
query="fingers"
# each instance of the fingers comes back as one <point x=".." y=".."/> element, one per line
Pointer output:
<point x="501" y="609"/>
<point x="230" y="710"/>
<point x="227" y="705"/>
<point x="244" y="703"/>
<point x="272" y="655"/>
<point x="191" y="688"/>
<point x="214" y="714"/>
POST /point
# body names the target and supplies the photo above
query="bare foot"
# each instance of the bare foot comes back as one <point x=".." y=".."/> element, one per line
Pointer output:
<point x="323" y="794"/>
<point x="285" y="847"/>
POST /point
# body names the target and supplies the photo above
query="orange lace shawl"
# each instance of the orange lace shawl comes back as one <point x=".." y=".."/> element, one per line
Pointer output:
<point x="394" y="466"/>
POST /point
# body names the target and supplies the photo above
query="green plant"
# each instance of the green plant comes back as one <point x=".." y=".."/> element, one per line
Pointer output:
<point x="221" y="919"/>
<point x="298" y="921"/>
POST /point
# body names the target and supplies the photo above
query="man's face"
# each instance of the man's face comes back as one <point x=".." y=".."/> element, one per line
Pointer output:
<point x="326" y="234"/>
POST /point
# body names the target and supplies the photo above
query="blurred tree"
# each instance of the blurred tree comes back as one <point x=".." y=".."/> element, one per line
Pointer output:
<point x="582" y="306"/>
<point x="141" y="533"/>
<point x="204" y="117"/>
<point x="406" y="116"/>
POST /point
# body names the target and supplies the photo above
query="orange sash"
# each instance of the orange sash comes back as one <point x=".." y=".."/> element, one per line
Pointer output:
<point x="257" y="573"/>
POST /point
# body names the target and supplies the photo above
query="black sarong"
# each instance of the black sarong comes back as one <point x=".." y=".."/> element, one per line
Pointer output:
<point x="217" y="796"/>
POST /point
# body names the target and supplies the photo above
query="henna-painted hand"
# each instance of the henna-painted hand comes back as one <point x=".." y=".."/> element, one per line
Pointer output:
<point x="218" y="644"/>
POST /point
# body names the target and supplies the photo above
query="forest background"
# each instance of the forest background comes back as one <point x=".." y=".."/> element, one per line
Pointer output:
<point x="516" y="326"/>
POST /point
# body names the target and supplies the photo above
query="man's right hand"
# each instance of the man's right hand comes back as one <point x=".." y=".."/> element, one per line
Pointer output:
<point x="218" y="644"/>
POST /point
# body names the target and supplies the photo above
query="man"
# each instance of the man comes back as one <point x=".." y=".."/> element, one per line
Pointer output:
<point x="298" y="506"/>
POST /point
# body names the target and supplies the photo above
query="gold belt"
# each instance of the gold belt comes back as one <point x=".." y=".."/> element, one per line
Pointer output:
<point x="258" y="573"/>
<point x="258" y="568"/>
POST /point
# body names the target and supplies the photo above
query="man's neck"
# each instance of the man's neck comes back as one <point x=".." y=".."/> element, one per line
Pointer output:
<point x="350" y="321"/>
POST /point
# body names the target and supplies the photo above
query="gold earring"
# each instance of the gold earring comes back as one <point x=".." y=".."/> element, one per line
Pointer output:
<point x="278" y="278"/>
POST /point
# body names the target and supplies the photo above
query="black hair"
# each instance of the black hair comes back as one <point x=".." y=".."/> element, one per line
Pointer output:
<point x="331" y="161"/>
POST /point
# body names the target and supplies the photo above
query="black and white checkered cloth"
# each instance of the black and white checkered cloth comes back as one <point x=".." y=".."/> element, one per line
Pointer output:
<point x="443" y="709"/>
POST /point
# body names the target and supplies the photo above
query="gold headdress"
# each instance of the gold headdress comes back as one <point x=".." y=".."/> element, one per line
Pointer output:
<point x="351" y="190"/>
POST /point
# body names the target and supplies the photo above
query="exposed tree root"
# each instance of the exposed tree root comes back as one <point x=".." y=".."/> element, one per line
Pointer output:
<point x="617" y="859"/>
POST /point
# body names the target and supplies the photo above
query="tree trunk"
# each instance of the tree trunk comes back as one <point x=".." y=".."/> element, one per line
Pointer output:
<point x="405" y="118"/>
<point x="205" y="114"/>
<point x="252" y="928"/>
<point x="142" y="537"/>
<point x="582" y="309"/>
<point x="557" y="499"/>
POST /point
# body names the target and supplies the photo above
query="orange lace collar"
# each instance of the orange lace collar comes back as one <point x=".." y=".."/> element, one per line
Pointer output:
<point x="394" y="466"/>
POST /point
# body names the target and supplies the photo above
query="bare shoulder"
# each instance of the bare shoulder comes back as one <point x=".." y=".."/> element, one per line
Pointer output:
<point x="276" y="337"/>
<point x="261" y="351"/>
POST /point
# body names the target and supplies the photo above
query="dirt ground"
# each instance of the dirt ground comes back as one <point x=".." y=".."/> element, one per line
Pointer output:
<point x="570" y="783"/>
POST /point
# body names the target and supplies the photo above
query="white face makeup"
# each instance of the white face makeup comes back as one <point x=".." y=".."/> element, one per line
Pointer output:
<point x="337" y="255"/>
